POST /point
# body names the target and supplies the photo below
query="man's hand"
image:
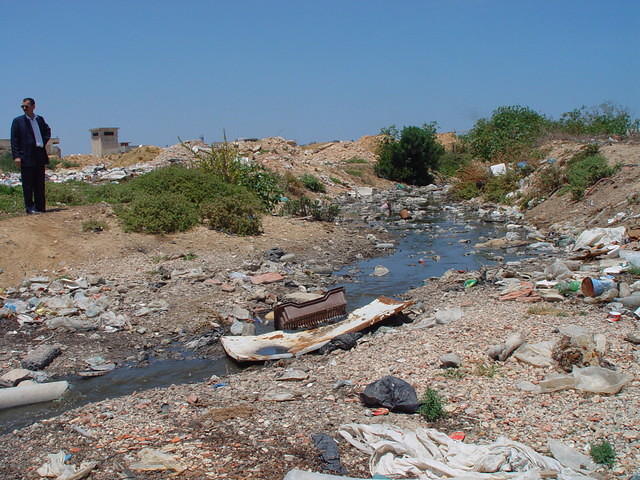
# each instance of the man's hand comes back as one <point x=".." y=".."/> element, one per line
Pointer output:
<point x="18" y="161"/>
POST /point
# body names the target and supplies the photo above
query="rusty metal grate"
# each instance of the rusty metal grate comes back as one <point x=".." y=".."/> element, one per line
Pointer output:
<point x="329" y="308"/>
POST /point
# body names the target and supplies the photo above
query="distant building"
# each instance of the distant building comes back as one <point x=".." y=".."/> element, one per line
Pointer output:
<point x="104" y="141"/>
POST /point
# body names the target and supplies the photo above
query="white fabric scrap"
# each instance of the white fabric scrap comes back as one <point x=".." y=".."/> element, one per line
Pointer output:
<point x="426" y="453"/>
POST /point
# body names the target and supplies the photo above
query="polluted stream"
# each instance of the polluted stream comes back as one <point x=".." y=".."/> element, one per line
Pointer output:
<point x="422" y="249"/>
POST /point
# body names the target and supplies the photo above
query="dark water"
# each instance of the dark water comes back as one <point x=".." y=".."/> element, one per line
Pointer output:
<point x="410" y="265"/>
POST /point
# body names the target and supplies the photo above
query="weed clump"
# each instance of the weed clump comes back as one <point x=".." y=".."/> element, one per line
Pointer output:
<point x="94" y="226"/>
<point x="603" y="453"/>
<point x="306" y="207"/>
<point x="585" y="171"/>
<point x="432" y="405"/>
<point x="313" y="183"/>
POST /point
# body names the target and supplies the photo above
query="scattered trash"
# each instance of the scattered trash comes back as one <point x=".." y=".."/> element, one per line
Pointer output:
<point x="449" y="315"/>
<point x="600" y="236"/>
<point x="392" y="393"/>
<point x="587" y="379"/>
<point x="28" y="393"/>
<point x="594" y="287"/>
<point x="329" y="454"/>
<point x="285" y="345"/>
<point x="379" y="411"/>
<point x="151" y="460"/>
<point x="499" y="169"/>
<point x="614" y="316"/>
<point x="55" y="467"/>
<point x="472" y="282"/>
<point x="460" y="436"/>
<point x="429" y="453"/>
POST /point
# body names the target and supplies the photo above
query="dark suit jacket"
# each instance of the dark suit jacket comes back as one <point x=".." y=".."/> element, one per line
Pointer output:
<point x="23" y="141"/>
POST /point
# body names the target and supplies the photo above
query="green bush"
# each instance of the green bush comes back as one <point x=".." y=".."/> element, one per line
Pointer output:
<point x="409" y="156"/>
<point x="586" y="171"/>
<point x="603" y="453"/>
<point x="604" y="119"/>
<point x="238" y="214"/>
<point x="432" y="405"/>
<point x="166" y="213"/>
<point x="306" y="207"/>
<point x="497" y="187"/>
<point x="263" y="182"/>
<point x="313" y="183"/>
<point x="510" y="130"/>
<point x="7" y="164"/>
<point x="450" y="163"/>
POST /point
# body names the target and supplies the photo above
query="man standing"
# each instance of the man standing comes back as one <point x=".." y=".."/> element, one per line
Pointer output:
<point x="29" y="137"/>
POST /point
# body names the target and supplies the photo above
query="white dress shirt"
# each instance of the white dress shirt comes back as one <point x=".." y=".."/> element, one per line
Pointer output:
<point x="36" y="130"/>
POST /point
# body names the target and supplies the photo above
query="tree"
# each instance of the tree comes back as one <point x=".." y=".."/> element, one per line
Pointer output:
<point x="510" y="128"/>
<point x="409" y="156"/>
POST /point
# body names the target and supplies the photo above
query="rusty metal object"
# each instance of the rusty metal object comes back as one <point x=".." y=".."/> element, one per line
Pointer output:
<point x="329" y="308"/>
<point x="281" y="344"/>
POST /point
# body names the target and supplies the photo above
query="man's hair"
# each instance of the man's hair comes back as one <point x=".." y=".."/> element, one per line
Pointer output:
<point x="30" y="100"/>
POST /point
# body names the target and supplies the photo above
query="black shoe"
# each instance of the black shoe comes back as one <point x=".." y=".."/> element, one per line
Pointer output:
<point x="33" y="211"/>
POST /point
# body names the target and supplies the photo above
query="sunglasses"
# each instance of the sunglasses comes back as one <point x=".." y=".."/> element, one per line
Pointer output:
<point x="24" y="107"/>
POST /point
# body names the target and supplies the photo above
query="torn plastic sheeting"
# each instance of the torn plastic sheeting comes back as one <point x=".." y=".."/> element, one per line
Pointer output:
<point x="151" y="460"/>
<point x="303" y="475"/>
<point x="430" y="454"/>
<point x="586" y="379"/>
<point x="600" y="236"/>
<point x="280" y="344"/>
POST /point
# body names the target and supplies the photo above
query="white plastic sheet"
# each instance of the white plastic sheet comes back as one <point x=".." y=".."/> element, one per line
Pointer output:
<point x="598" y="236"/>
<point x="426" y="453"/>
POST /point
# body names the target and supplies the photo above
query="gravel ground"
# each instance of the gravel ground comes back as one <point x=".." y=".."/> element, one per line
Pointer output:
<point x="232" y="432"/>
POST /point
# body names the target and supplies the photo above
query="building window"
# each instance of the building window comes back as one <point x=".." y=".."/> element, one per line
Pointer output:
<point x="95" y="134"/>
<point x="108" y="134"/>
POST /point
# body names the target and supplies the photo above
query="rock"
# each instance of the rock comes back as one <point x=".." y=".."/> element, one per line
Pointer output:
<point x="15" y="376"/>
<point x="550" y="295"/>
<point x="240" y="313"/>
<point x="633" y="338"/>
<point x="450" y="360"/>
<point x="292" y="374"/>
<point x="495" y="351"/>
<point x="278" y="395"/>
<point x="449" y="315"/>
<point x="74" y="324"/>
<point x="228" y="287"/>
<point x="404" y="214"/>
<point x="269" y="277"/>
<point x="236" y="327"/>
<point x="624" y="289"/>
<point x="527" y="386"/>
<point x="287" y="257"/>
<point x="380" y="271"/>
<point x="513" y="341"/>
<point x="40" y="357"/>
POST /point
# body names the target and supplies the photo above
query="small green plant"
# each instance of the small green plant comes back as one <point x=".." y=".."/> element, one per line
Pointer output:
<point x="306" y="207"/>
<point x="159" y="258"/>
<point x="94" y="226"/>
<point x="354" y="172"/>
<point x="497" y="187"/>
<point x="189" y="256"/>
<point x="355" y="160"/>
<point x="313" y="183"/>
<point x="450" y="162"/>
<point x="484" y="370"/>
<point x="336" y="180"/>
<point x="603" y="453"/>
<point x="585" y="171"/>
<point x="635" y="271"/>
<point x="432" y="405"/>
<point x="456" y="373"/>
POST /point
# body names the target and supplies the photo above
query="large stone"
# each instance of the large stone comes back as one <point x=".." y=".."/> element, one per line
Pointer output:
<point x="300" y="297"/>
<point x="269" y="277"/>
<point x="40" y="357"/>
<point x="15" y="376"/>
<point x="450" y="360"/>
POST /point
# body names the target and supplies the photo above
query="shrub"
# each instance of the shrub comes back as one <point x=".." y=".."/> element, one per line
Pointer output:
<point x="509" y="130"/>
<point x="306" y="207"/>
<point x="497" y="187"/>
<point x="263" y="182"/>
<point x="603" y="453"/>
<point x="431" y="405"/>
<point x="586" y="171"/>
<point x="165" y="213"/>
<point x="221" y="159"/>
<point x="409" y="156"/>
<point x="450" y="163"/>
<point x="238" y="214"/>
<point x="292" y="185"/>
<point x="311" y="182"/>
<point x="604" y="119"/>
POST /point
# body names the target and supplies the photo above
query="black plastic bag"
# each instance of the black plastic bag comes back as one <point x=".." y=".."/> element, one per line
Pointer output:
<point x="392" y="393"/>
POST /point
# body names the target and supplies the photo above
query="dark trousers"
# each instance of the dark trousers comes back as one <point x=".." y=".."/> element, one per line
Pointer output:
<point x="33" y="187"/>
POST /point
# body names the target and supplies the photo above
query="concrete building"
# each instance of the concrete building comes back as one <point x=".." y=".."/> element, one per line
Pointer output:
<point x="104" y="141"/>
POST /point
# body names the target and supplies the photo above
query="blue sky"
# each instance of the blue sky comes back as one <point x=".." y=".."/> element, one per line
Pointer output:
<point x="307" y="70"/>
